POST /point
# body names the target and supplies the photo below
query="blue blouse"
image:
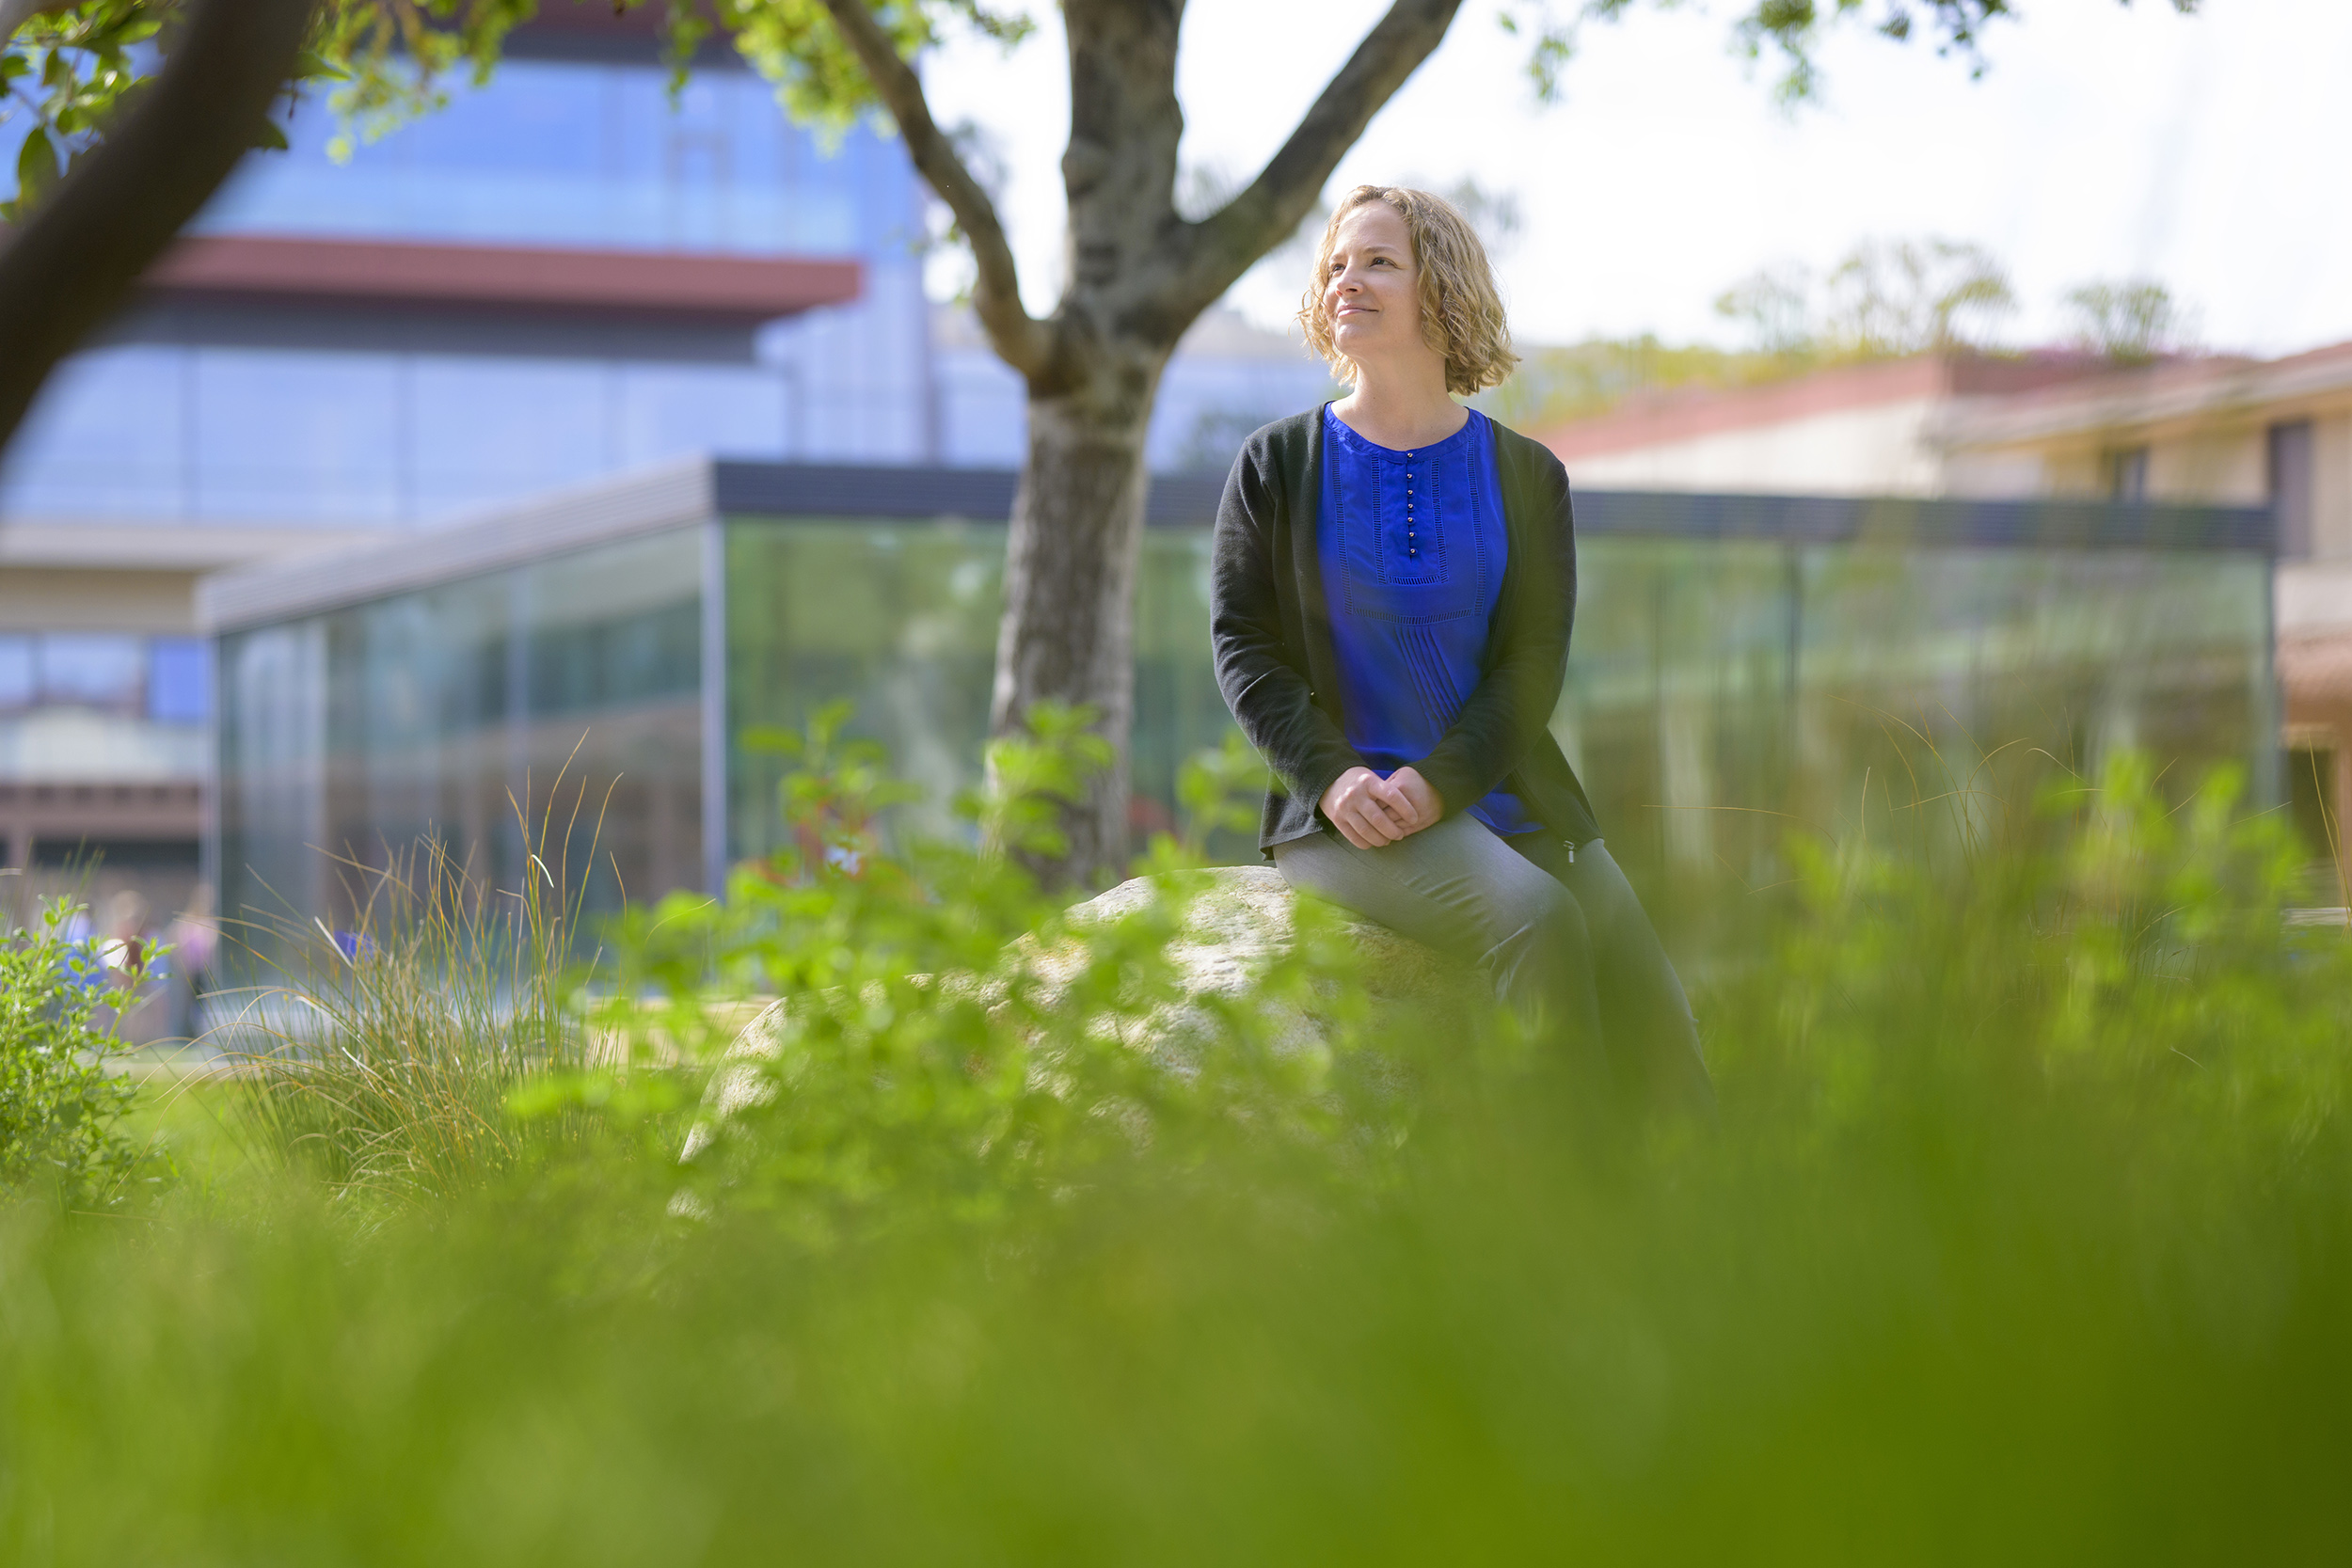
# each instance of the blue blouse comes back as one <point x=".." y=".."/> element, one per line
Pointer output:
<point x="1412" y="548"/>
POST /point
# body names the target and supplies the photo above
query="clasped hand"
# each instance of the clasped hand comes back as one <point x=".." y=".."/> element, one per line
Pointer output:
<point x="1370" y="811"/>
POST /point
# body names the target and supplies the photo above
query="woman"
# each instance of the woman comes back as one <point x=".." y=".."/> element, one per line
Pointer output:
<point x="1395" y="578"/>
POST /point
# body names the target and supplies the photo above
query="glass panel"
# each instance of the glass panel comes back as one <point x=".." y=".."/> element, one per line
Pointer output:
<point x="676" y="410"/>
<point x="273" y="758"/>
<point x="901" y="619"/>
<point x="496" y="429"/>
<point x="1720" y="696"/>
<point x="574" y="153"/>
<point x="180" y="680"/>
<point x="2291" y="470"/>
<point x="16" y="673"/>
<point x="91" y="669"/>
<point x="1677" y="712"/>
<point x="558" y="699"/>
<point x="288" y="433"/>
<point x="107" y="434"/>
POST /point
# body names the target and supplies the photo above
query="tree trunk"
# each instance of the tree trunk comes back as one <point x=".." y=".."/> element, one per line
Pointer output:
<point x="1067" y="633"/>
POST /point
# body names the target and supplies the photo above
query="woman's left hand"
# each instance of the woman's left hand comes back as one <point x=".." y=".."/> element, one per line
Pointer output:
<point x="1427" y="805"/>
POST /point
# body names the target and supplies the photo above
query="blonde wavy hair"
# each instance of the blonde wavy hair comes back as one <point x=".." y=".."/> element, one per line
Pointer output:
<point x="1461" y="312"/>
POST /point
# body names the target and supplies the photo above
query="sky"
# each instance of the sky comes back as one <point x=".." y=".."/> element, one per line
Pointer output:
<point x="2212" y="153"/>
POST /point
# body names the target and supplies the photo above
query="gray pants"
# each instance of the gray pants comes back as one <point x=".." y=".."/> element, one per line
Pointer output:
<point x="1564" y="939"/>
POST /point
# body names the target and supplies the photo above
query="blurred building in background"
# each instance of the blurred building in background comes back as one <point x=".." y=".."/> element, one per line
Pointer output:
<point x="1743" y="665"/>
<point x="561" y="277"/>
<point x="2207" y="430"/>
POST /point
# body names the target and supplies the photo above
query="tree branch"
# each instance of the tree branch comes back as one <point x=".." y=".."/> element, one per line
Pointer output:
<point x="74" y="261"/>
<point x="1224" y="244"/>
<point x="1022" y="343"/>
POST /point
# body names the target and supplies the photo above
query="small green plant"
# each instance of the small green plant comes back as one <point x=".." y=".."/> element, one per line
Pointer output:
<point x="381" y="1060"/>
<point x="2142" y="952"/>
<point x="60" y="1107"/>
<point x="949" y="1040"/>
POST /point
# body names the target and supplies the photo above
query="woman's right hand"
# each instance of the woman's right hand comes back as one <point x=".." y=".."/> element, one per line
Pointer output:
<point x="1367" y="810"/>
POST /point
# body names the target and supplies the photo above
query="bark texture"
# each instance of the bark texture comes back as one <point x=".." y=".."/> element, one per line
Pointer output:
<point x="70" y="266"/>
<point x="1068" y="632"/>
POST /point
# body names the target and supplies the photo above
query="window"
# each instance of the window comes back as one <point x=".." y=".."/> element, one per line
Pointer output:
<point x="2127" y="474"/>
<point x="92" y="668"/>
<point x="179" y="680"/>
<point x="16" y="673"/>
<point x="167" y="679"/>
<point x="2290" y="487"/>
<point x="117" y="854"/>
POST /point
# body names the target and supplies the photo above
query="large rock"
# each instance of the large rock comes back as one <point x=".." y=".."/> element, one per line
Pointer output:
<point x="1241" y="914"/>
<point x="1235" y="919"/>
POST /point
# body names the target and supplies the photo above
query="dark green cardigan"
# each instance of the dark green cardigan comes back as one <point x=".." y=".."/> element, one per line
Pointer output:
<point x="1272" y="634"/>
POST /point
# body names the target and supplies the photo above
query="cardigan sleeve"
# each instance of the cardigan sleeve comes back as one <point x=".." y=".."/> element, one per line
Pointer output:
<point x="1263" y="677"/>
<point x="1527" y="659"/>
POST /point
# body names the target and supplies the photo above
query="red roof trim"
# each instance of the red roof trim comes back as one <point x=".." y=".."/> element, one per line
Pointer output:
<point x="645" y="284"/>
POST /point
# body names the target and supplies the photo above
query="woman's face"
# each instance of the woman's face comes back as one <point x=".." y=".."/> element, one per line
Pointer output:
<point x="1370" y="294"/>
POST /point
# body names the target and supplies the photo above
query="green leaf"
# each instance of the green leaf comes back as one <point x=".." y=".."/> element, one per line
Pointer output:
<point x="36" y="164"/>
<point x="309" y="67"/>
<point x="773" y="739"/>
<point x="13" y="65"/>
<point x="270" y="136"/>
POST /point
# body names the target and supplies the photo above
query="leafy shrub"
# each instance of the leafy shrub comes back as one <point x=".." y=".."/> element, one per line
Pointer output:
<point x="2144" y="965"/>
<point x="949" y="1042"/>
<point x="60" y="1107"/>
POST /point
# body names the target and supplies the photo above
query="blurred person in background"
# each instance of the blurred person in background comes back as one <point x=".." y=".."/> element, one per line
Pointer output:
<point x="126" y="944"/>
<point x="126" y="948"/>
<point x="195" y="941"/>
<point x="1394" y="583"/>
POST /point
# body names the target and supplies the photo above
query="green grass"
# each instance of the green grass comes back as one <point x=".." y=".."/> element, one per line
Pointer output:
<point x="2024" y="1238"/>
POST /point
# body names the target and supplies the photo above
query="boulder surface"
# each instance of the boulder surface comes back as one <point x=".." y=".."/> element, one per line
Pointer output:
<point x="1242" y="914"/>
<point x="1237" y="918"/>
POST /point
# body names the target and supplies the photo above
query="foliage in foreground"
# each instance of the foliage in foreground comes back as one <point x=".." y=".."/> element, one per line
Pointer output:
<point x="61" y="1107"/>
<point x="951" y="1039"/>
<point x="951" y="1042"/>
<point x="2023" y="1238"/>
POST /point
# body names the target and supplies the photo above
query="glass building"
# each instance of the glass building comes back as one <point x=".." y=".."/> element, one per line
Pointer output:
<point x="1743" y="666"/>
<point x="384" y="338"/>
